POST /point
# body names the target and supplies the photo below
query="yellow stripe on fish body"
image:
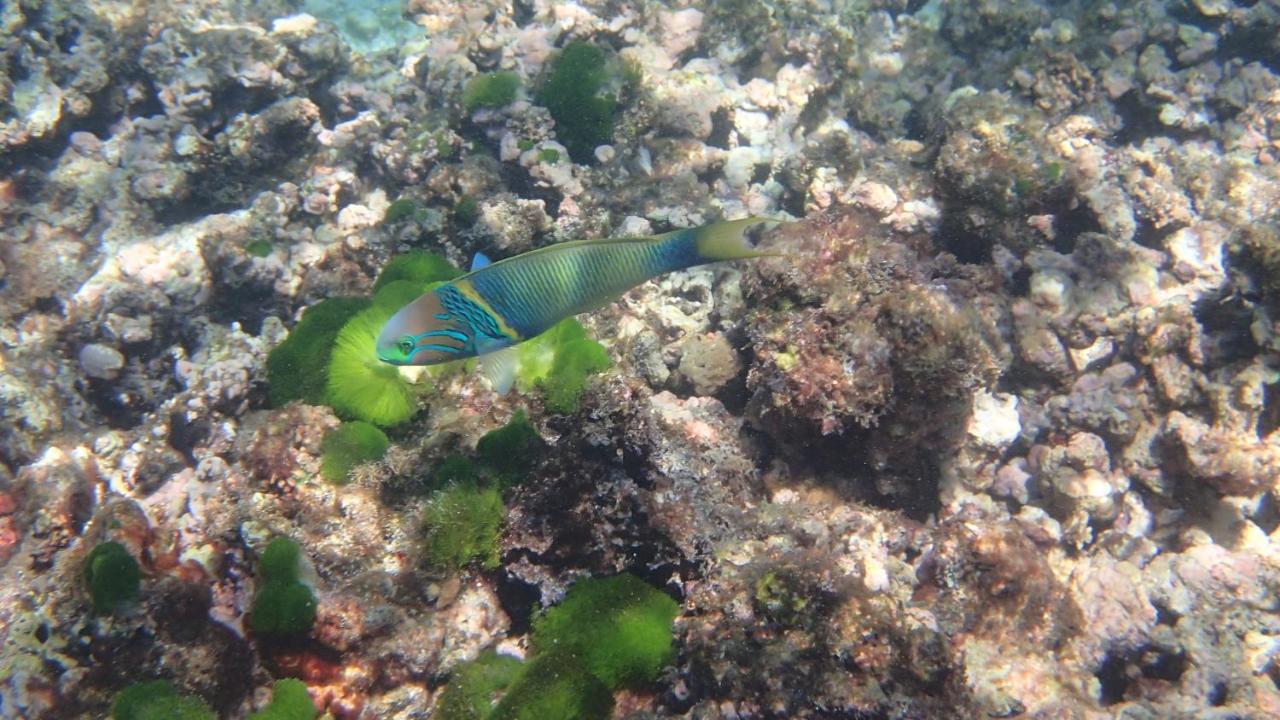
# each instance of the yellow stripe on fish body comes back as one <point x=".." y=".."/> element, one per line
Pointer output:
<point x="499" y="324"/>
<point x="518" y="298"/>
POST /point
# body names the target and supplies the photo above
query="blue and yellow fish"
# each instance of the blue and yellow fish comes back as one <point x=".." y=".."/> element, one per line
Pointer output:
<point x="498" y="305"/>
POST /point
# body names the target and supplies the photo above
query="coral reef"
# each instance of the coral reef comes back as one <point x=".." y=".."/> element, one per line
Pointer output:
<point x="995" y="434"/>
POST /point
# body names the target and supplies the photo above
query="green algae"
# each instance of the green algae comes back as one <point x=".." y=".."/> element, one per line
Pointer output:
<point x="348" y="445"/>
<point x="619" y="627"/>
<point x="490" y="90"/>
<point x="559" y="361"/>
<point x="359" y="385"/>
<point x="289" y="701"/>
<point x="158" y="700"/>
<point x="112" y="576"/>
<point x="471" y="692"/>
<point x="461" y="524"/>
<point x="283" y="606"/>
<point x="555" y="686"/>
<point x="297" y="367"/>
<point x="573" y="91"/>
<point x="416" y="266"/>
<point x="509" y="452"/>
<point x="258" y="247"/>
<point x="399" y="210"/>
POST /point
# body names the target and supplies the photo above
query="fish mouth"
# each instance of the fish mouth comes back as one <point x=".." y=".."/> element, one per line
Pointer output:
<point x="388" y="359"/>
<point x="386" y="349"/>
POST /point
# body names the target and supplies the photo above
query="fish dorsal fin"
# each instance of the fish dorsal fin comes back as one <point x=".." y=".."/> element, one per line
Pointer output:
<point x="499" y="368"/>
<point x="479" y="261"/>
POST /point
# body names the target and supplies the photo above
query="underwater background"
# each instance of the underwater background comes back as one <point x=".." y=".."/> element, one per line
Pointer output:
<point x="993" y="436"/>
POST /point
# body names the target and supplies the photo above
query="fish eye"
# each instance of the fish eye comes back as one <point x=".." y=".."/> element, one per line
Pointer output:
<point x="405" y="345"/>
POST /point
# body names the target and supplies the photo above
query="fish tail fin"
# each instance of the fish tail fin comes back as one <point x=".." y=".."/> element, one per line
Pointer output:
<point x="731" y="240"/>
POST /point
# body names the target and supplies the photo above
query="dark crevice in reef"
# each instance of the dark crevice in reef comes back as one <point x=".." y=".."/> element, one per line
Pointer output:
<point x="1148" y="235"/>
<point x="518" y="599"/>
<point x="1113" y="678"/>
<point x="960" y="240"/>
<point x="1141" y="121"/>
<point x="850" y="464"/>
<point x="1247" y="44"/>
<point x="1270" y="419"/>
<point x="249" y="304"/>
<point x="185" y="435"/>
<point x="1069" y="224"/>
<point x="1226" y="324"/>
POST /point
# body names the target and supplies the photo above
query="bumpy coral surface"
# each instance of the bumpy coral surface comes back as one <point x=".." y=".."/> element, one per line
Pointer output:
<point x="993" y="434"/>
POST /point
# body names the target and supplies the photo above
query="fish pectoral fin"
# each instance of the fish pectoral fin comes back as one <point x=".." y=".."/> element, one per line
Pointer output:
<point x="499" y="368"/>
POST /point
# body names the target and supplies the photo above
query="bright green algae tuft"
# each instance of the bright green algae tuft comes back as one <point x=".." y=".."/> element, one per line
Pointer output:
<point x="417" y="266"/>
<point x="289" y="701"/>
<point x="112" y="576"/>
<point x="619" y="627"/>
<point x="361" y="386"/>
<point x="157" y="700"/>
<point x="559" y="361"/>
<point x="297" y="367"/>
<point x="348" y="445"/>
<point x="606" y="634"/>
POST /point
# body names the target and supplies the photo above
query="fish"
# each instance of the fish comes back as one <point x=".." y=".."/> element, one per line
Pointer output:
<point x="498" y="305"/>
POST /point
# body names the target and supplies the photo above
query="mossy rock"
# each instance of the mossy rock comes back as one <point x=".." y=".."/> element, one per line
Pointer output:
<point x="456" y="470"/>
<point x="471" y="692"/>
<point x="283" y="608"/>
<point x="555" y="685"/>
<point x="289" y="701"/>
<point x="490" y="90"/>
<point x="461" y="523"/>
<point x="511" y="450"/>
<point x="281" y="560"/>
<point x="573" y="91"/>
<point x="158" y="700"/>
<point x="416" y="266"/>
<point x="283" y="605"/>
<point x="112" y="576"/>
<point x="349" y="445"/>
<point x="399" y="210"/>
<point x="619" y="627"/>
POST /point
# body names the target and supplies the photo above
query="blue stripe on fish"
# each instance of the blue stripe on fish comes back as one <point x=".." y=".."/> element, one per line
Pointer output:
<point x="438" y="348"/>
<point x="462" y="308"/>
<point x="455" y="334"/>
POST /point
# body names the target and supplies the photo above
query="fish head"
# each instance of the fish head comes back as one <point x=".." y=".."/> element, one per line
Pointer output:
<point x="424" y="333"/>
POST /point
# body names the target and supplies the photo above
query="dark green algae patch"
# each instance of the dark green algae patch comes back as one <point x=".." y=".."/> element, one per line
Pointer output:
<point x="112" y="577"/>
<point x="463" y="518"/>
<point x="573" y="91"/>
<point x="284" y="606"/>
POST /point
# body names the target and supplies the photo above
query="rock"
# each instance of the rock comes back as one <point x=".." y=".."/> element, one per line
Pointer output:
<point x="101" y="361"/>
